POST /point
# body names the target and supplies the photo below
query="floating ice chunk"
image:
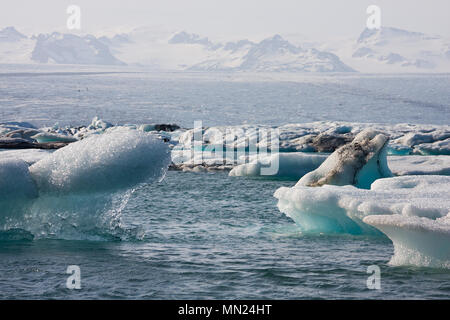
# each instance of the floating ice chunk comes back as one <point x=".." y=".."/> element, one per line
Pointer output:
<point x="435" y="148"/>
<point x="358" y="163"/>
<point x="294" y="165"/>
<point x="417" y="241"/>
<point x="79" y="191"/>
<point x="17" y="124"/>
<point x="99" y="124"/>
<point x="398" y="149"/>
<point x="26" y="134"/>
<point x="290" y="165"/>
<point x="45" y="137"/>
<point x="341" y="209"/>
<point x="325" y="209"/>
<point x="415" y="138"/>
<point x="118" y="159"/>
<point x="147" y="127"/>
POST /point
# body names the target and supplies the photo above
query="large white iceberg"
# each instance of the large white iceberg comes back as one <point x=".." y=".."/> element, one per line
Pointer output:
<point x="413" y="211"/>
<point x="78" y="191"/>
<point x="341" y="209"/>
<point x="117" y="159"/>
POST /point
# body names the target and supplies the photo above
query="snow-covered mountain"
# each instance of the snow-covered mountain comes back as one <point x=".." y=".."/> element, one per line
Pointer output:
<point x="383" y="50"/>
<point x="10" y="34"/>
<point x="15" y="47"/>
<point x="271" y="54"/>
<point x="167" y="51"/>
<point x="192" y="38"/>
<point x="72" y="49"/>
<point x="55" y="48"/>
<point x="395" y="50"/>
<point x="405" y="48"/>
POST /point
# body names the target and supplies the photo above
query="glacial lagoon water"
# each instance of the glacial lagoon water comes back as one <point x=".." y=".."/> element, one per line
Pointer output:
<point x="208" y="235"/>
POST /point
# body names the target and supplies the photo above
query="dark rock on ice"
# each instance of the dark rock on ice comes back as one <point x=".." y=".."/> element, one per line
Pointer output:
<point x="166" y="127"/>
<point x="20" y="143"/>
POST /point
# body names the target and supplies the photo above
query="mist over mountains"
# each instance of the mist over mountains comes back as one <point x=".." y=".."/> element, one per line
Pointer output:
<point x="381" y="50"/>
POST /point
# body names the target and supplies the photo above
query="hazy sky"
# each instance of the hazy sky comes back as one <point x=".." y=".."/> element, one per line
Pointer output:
<point x="317" y="19"/>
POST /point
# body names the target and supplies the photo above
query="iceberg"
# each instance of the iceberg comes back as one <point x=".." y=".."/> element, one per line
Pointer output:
<point x="120" y="158"/>
<point x="342" y="209"/>
<point x="413" y="211"/>
<point x="434" y="148"/>
<point x="418" y="241"/>
<point x="357" y="163"/>
<point x="79" y="191"/>
<point x="292" y="165"/>
<point x="44" y="137"/>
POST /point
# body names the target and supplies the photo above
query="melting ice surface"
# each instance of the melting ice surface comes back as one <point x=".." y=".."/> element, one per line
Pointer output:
<point x="80" y="190"/>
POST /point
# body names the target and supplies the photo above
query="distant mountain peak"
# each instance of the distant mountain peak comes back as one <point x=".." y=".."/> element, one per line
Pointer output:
<point x="233" y="46"/>
<point x="400" y="48"/>
<point x="271" y="54"/>
<point x="72" y="49"/>
<point x="189" y="38"/>
<point x="274" y="44"/>
<point x="384" y="34"/>
<point x="10" y="34"/>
